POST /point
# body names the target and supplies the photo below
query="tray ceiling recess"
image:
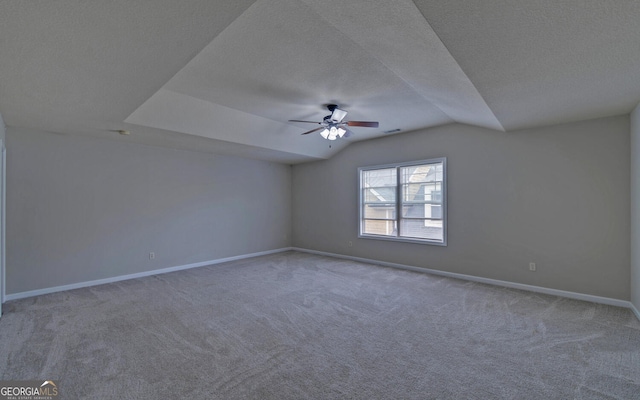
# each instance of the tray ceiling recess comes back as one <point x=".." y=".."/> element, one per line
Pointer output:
<point x="227" y="76"/>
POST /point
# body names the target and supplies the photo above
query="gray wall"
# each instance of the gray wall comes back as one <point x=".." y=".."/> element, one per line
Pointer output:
<point x="558" y="196"/>
<point x="2" y="137"/>
<point x="635" y="207"/>
<point x="80" y="209"/>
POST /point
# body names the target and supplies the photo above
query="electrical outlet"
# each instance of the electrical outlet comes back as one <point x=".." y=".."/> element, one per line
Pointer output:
<point x="350" y="243"/>
<point x="152" y="255"/>
<point x="532" y="266"/>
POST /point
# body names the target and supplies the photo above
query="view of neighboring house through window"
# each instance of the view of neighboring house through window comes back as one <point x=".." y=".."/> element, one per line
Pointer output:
<point x="404" y="201"/>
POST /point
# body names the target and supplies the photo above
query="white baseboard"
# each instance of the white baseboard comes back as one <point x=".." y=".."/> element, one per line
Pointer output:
<point x="495" y="282"/>
<point x="38" y="292"/>
<point x="635" y="310"/>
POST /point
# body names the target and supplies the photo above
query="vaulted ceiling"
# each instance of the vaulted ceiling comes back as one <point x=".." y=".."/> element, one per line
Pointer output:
<point x="227" y="75"/>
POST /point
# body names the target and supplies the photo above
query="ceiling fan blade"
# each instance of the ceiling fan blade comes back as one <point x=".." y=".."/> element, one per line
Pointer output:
<point x="338" y="115"/>
<point x="309" y="122"/>
<point x="367" y="124"/>
<point x="313" y="130"/>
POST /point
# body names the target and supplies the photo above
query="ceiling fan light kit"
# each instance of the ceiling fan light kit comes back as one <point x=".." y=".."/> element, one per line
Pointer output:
<point x="333" y="133"/>
<point x="333" y="125"/>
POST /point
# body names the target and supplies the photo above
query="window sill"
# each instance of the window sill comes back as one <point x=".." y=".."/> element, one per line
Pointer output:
<point x="404" y="240"/>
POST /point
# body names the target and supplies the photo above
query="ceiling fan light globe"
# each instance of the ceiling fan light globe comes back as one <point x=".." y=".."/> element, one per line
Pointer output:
<point x="333" y="133"/>
<point x="325" y="133"/>
<point x="341" y="132"/>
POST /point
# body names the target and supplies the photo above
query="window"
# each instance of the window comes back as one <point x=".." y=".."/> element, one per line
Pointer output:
<point x="405" y="202"/>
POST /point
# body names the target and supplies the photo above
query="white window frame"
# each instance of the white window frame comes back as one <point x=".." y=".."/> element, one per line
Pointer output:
<point x="398" y="203"/>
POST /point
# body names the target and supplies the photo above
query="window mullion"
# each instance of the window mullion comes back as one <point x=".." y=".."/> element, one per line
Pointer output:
<point x="398" y="201"/>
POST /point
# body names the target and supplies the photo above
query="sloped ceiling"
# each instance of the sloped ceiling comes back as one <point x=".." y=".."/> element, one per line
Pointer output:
<point x="226" y="76"/>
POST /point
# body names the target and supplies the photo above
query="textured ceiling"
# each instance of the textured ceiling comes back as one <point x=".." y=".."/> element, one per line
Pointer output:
<point x="226" y="76"/>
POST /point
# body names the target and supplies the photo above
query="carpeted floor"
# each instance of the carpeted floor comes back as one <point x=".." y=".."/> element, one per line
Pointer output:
<point x="300" y="326"/>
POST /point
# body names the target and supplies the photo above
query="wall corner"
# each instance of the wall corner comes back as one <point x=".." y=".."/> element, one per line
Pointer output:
<point x="635" y="207"/>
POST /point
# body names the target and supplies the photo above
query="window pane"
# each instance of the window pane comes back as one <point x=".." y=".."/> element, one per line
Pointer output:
<point x="379" y="178"/>
<point x="422" y="191"/>
<point x="422" y="211"/>
<point x="380" y="195"/>
<point x="372" y="227"/>
<point x="379" y="188"/>
<point x="422" y="229"/>
<point x="435" y="211"/>
<point x="421" y="173"/>
<point x="379" y="211"/>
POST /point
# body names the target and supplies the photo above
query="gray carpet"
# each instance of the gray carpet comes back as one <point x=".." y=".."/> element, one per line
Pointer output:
<point x="300" y="326"/>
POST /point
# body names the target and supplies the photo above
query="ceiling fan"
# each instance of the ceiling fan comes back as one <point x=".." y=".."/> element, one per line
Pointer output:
<point x="333" y="125"/>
